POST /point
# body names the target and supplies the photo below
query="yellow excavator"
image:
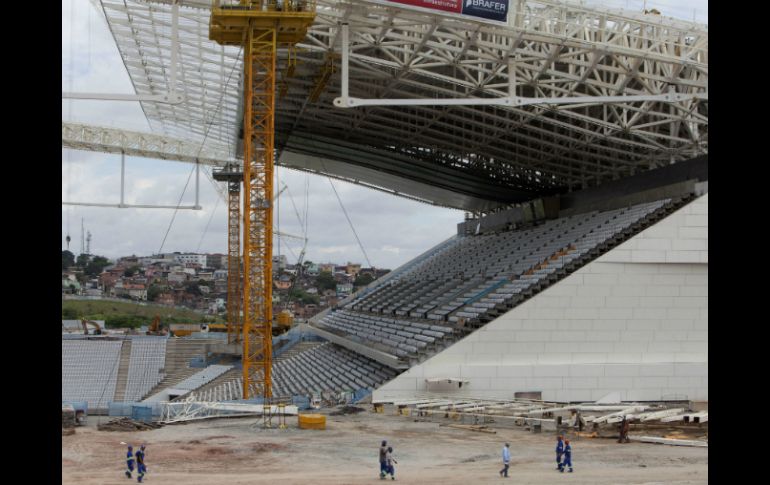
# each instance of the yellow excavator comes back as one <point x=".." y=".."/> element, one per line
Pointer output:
<point x="156" y="328"/>
<point x="97" y="329"/>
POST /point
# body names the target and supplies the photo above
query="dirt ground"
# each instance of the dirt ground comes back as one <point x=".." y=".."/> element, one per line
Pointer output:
<point x="235" y="452"/>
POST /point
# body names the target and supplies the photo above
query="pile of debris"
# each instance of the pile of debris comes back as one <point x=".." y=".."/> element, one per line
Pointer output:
<point x="678" y="423"/>
<point x="127" y="424"/>
<point x="67" y="417"/>
<point x="346" y="410"/>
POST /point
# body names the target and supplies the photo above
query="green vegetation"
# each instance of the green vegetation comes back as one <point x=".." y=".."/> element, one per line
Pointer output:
<point x="67" y="259"/>
<point x="325" y="281"/>
<point x="131" y="271"/>
<point x="363" y="280"/>
<point x="120" y="314"/>
<point x="306" y="298"/>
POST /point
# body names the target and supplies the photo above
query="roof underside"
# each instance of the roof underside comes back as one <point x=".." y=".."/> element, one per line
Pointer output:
<point x="469" y="157"/>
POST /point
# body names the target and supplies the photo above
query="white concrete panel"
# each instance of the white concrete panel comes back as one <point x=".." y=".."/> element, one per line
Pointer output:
<point x="639" y="328"/>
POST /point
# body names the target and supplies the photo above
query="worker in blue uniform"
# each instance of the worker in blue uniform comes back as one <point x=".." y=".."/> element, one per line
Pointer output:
<point x="140" y="468"/>
<point x="129" y="461"/>
<point x="559" y="451"/>
<point x="567" y="457"/>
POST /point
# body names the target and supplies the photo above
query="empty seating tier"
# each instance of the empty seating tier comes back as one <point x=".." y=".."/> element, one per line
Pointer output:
<point x="470" y="280"/>
<point x="311" y="370"/>
<point x="89" y="371"/>
<point x="148" y="355"/>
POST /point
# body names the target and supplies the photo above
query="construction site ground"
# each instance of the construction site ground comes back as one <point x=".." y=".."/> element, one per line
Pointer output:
<point x="234" y="451"/>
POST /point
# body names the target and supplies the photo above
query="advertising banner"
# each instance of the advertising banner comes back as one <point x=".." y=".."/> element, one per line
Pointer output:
<point x="487" y="9"/>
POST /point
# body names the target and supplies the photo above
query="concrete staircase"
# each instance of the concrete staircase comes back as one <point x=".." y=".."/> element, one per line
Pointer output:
<point x="179" y="353"/>
<point x="125" y="360"/>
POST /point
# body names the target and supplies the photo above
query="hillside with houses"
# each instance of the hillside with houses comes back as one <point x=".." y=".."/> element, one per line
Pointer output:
<point x="199" y="281"/>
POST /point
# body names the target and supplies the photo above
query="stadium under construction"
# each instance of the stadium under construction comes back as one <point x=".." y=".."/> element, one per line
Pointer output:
<point x="574" y="137"/>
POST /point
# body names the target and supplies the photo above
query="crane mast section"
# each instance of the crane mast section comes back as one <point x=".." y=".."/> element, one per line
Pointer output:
<point x="259" y="26"/>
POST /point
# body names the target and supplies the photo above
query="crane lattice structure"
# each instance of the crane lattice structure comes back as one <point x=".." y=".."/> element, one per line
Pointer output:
<point x="233" y="176"/>
<point x="259" y="26"/>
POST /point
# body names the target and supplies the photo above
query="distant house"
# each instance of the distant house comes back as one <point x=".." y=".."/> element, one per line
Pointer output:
<point x="70" y="285"/>
<point x="200" y="259"/>
<point x="216" y="260"/>
<point x="129" y="290"/>
<point x="165" y="299"/>
<point x="352" y="269"/>
<point x="220" y="286"/>
<point x="220" y="274"/>
<point x="327" y="267"/>
<point x="313" y="269"/>
<point x="177" y="277"/>
<point x="344" y="289"/>
<point x="283" y="283"/>
<point x="205" y="275"/>
<point x="312" y="290"/>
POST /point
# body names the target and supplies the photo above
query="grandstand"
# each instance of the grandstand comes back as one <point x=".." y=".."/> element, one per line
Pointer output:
<point x="565" y="305"/>
<point x="582" y="266"/>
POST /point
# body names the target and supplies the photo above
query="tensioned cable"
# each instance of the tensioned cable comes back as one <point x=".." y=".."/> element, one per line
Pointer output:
<point x="296" y="211"/>
<point x="205" y="135"/>
<point x="350" y="222"/>
<point x="176" y="210"/>
<point x="307" y="203"/>
<point x="207" y="225"/>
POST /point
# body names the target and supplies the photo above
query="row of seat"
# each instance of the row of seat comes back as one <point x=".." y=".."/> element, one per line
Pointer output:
<point x="146" y="367"/>
<point x="476" y="277"/>
<point x="90" y="371"/>
<point x="318" y="368"/>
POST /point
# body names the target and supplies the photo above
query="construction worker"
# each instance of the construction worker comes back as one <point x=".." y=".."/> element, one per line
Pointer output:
<point x="506" y="460"/>
<point x="559" y="451"/>
<point x="390" y="460"/>
<point x="129" y="461"/>
<point x="567" y="457"/>
<point x="624" y="427"/>
<point x="383" y="459"/>
<point x="140" y="468"/>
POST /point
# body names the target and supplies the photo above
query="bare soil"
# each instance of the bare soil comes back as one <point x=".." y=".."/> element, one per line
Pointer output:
<point x="237" y="451"/>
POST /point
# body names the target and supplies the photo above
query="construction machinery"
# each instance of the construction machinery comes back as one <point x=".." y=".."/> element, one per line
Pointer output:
<point x="156" y="328"/>
<point x="286" y="317"/>
<point x="97" y="328"/>
<point x="260" y="27"/>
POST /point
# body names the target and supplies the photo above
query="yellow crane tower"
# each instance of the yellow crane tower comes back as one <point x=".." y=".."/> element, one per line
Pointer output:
<point x="233" y="175"/>
<point x="259" y="26"/>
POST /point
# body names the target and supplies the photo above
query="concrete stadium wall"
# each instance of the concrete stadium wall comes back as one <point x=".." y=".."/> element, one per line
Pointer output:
<point x="633" y="321"/>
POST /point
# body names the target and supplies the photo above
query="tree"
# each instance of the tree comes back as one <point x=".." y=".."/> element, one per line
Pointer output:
<point x="192" y="288"/>
<point x="304" y="297"/>
<point x="153" y="292"/>
<point x="96" y="265"/>
<point x="82" y="260"/>
<point x="325" y="281"/>
<point x="363" y="280"/>
<point x="67" y="259"/>
<point x="131" y="271"/>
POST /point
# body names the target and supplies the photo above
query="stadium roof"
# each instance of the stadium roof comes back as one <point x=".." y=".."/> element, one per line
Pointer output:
<point x="469" y="157"/>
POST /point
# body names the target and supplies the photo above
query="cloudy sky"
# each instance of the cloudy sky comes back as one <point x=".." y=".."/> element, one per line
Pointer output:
<point x="392" y="230"/>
